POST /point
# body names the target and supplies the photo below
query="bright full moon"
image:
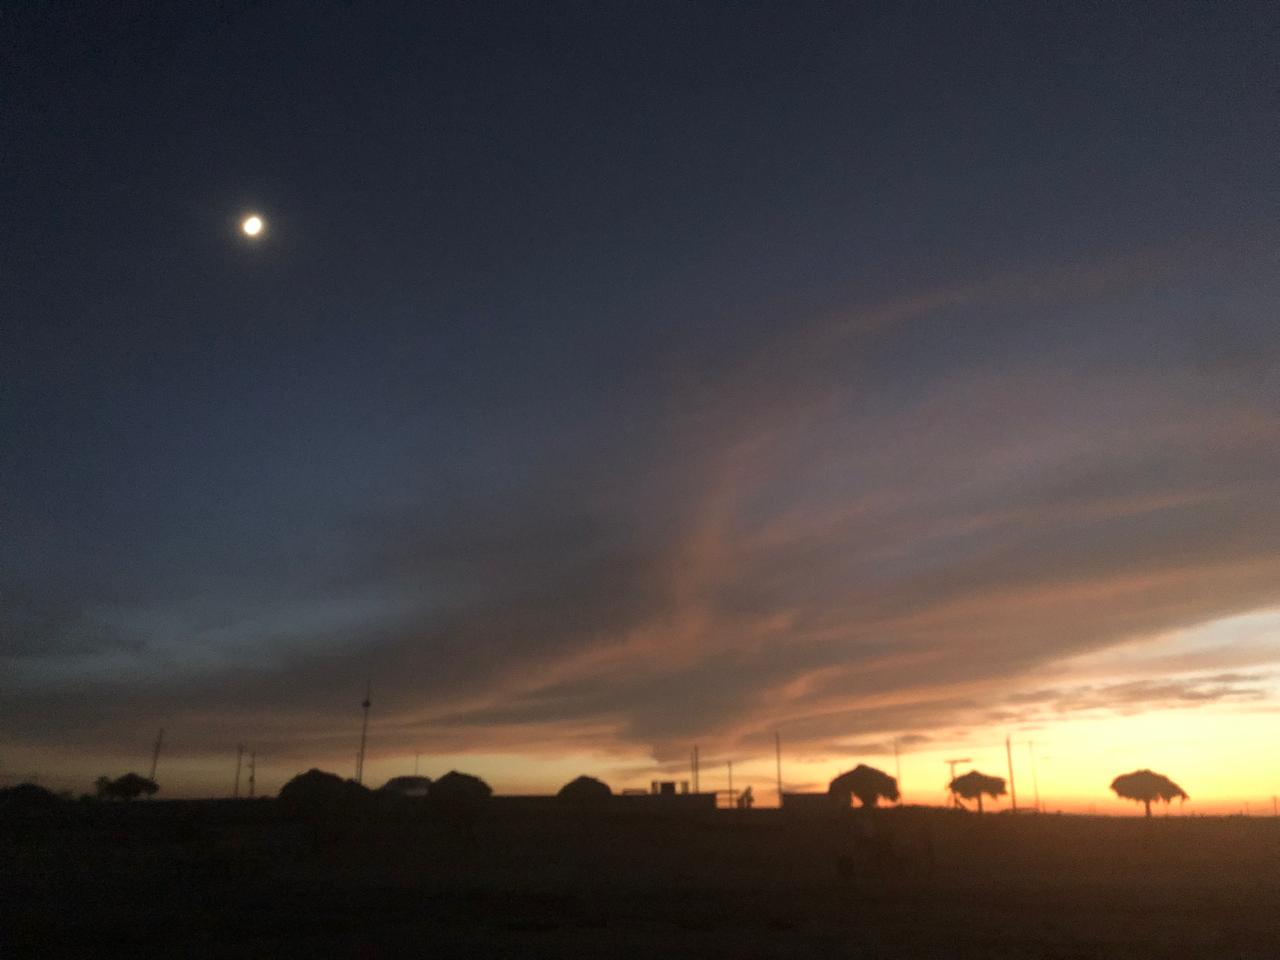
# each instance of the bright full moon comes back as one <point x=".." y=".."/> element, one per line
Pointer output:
<point x="252" y="226"/>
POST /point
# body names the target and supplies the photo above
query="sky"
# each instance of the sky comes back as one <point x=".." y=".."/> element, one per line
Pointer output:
<point x="612" y="378"/>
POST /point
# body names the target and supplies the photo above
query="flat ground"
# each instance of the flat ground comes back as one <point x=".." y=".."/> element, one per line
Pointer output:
<point x="240" y="879"/>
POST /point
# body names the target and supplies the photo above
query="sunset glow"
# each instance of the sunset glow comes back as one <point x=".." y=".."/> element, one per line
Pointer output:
<point x="587" y="419"/>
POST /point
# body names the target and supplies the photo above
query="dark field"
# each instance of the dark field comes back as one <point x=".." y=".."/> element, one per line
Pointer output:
<point x="238" y="879"/>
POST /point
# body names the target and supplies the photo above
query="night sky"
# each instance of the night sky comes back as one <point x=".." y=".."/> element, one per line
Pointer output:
<point x="612" y="377"/>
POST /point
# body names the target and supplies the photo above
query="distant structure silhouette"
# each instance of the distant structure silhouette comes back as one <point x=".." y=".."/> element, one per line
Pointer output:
<point x="585" y="792"/>
<point x="868" y="784"/>
<point x="1145" y="786"/>
<point x="407" y="786"/>
<point x="974" y="786"/>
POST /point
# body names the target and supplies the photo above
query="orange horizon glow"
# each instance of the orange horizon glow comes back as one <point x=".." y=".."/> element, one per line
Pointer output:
<point x="1218" y="750"/>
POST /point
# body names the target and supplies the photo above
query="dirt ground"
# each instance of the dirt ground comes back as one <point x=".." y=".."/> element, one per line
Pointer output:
<point x="242" y="879"/>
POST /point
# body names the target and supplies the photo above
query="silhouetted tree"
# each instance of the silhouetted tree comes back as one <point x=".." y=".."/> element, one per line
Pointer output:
<point x="1145" y="786"/>
<point x="456" y="788"/>
<point x="319" y="790"/>
<point x="129" y="787"/>
<point x="974" y="785"/>
<point x="585" y="791"/>
<point x="459" y="797"/>
<point x="868" y="784"/>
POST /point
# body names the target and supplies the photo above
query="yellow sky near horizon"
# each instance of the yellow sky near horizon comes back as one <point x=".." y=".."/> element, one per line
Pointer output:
<point x="1213" y="733"/>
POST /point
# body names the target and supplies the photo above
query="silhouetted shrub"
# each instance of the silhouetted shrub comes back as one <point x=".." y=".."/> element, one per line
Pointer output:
<point x="868" y="784"/>
<point x="320" y="791"/>
<point x="27" y="796"/>
<point x="585" y="792"/>
<point x="456" y="788"/>
<point x="128" y="787"/>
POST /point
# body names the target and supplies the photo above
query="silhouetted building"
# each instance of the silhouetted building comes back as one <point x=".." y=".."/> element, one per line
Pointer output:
<point x="667" y="796"/>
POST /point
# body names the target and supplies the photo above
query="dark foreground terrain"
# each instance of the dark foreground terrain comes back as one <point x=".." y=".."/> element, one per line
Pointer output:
<point x="242" y="879"/>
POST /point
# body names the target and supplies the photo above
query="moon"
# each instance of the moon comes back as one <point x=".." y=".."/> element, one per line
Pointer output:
<point x="252" y="225"/>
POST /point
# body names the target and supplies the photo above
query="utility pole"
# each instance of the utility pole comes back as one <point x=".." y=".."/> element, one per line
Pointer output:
<point x="897" y="769"/>
<point x="364" y="732"/>
<point x="416" y="755"/>
<point x="239" y="759"/>
<point x="951" y="764"/>
<point x="731" y="801"/>
<point x="253" y="772"/>
<point x="695" y="769"/>
<point x="155" y="754"/>
<point x="1013" y="793"/>
<point x="777" y="751"/>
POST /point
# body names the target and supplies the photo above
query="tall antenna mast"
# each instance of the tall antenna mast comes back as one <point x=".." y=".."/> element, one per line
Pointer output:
<point x="732" y="803"/>
<point x="364" y="731"/>
<point x="155" y="754"/>
<point x="239" y="759"/>
<point x="777" y="756"/>
<point x="253" y="771"/>
<point x="695" y="768"/>
<point x="1013" y="793"/>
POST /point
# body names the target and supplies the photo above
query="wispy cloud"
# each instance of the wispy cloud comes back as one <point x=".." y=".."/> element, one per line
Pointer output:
<point x="798" y="540"/>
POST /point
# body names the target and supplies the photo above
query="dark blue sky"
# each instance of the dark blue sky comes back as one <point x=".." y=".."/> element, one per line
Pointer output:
<point x="592" y="344"/>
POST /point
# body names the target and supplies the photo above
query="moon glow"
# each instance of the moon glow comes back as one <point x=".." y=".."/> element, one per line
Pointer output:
<point x="252" y="225"/>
